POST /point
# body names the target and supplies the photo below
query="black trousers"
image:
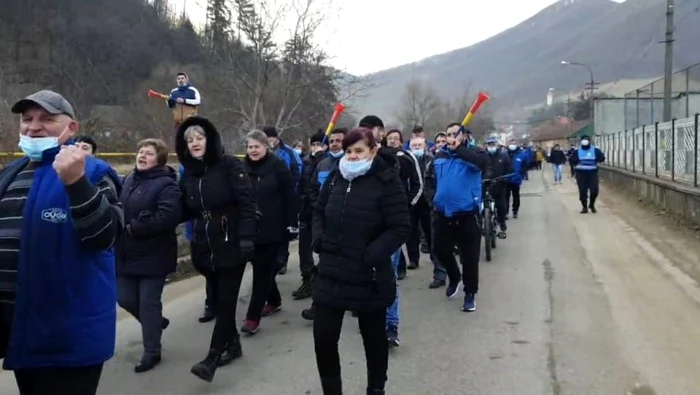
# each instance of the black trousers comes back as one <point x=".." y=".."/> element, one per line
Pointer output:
<point x="514" y="191"/>
<point x="306" y="255"/>
<point x="420" y="221"/>
<point x="228" y="285"/>
<point x="265" y="268"/>
<point x="212" y="291"/>
<point x="464" y="232"/>
<point x="587" y="182"/>
<point x="573" y="170"/>
<point x="53" y="381"/>
<point x="499" y="195"/>
<point x="328" y="323"/>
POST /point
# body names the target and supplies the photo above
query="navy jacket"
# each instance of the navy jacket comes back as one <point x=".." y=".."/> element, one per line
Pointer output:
<point x="152" y="205"/>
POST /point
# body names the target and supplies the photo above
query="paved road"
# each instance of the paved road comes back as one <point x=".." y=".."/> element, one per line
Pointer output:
<point x="572" y="304"/>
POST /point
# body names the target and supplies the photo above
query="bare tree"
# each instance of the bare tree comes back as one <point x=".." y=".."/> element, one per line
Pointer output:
<point x="419" y="106"/>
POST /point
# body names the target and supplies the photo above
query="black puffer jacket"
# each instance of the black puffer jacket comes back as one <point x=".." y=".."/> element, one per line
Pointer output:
<point x="218" y="198"/>
<point x="356" y="227"/>
<point x="152" y="204"/>
<point x="273" y="188"/>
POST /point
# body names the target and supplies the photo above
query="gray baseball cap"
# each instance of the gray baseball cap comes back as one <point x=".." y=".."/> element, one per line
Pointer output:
<point x="50" y="101"/>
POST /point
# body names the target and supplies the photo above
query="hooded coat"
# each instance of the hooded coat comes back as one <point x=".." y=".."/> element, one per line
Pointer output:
<point x="217" y="198"/>
<point x="356" y="228"/>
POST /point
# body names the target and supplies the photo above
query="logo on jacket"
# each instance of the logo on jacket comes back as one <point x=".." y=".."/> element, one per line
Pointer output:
<point x="55" y="215"/>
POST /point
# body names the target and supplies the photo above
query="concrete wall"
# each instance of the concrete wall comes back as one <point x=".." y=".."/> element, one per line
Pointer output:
<point x="679" y="199"/>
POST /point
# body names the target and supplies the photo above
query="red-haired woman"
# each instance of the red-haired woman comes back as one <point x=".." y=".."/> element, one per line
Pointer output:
<point x="360" y="218"/>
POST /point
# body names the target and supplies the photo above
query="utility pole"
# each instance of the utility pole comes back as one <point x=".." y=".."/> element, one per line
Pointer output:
<point x="668" y="63"/>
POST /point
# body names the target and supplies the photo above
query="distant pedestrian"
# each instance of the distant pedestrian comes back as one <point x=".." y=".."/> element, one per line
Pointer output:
<point x="586" y="160"/>
<point x="557" y="158"/>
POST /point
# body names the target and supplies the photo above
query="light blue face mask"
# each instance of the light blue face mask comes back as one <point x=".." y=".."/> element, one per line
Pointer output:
<point x="351" y="170"/>
<point x="492" y="150"/>
<point x="418" y="153"/>
<point x="34" y="147"/>
<point x="336" y="155"/>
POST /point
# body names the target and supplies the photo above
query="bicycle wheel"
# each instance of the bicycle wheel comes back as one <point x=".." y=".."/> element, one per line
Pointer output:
<point x="494" y="233"/>
<point x="488" y="233"/>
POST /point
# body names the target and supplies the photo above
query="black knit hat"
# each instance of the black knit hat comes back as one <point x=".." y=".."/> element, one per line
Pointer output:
<point x="270" y="131"/>
<point x="371" y="122"/>
<point x="317" y="137"/>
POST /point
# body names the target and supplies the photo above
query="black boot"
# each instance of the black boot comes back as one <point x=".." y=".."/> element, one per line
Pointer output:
<point x="584" y="207"/>
<point x="332" y="386"/>
<point x="232" y="352"/>
<point x="207" y="315"/>
<point x="206" y="368"/>
<point x="309" y="314"/>
<point x="305" y="289"/>
<point x="375" y="392"/>
<point x="147" y="363"/>
<point x="591" y="206"/>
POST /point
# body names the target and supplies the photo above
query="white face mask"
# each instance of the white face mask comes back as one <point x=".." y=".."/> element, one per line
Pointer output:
<point x="351" y="170"/>
<point x="512" y="147"/>
<point x="297" y="150"/>
<point x="585" y="143"/>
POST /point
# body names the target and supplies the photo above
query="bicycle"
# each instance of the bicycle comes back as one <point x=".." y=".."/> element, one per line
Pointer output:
<point x="488" y="217"/>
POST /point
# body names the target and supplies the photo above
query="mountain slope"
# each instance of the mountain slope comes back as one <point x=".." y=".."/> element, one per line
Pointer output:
<point x="517" y="66"/>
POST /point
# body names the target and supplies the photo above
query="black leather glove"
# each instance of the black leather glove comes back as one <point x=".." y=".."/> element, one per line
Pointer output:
<point x="247" y="250"/>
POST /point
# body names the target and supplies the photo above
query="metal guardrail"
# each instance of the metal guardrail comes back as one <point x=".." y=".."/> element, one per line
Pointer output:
<point x="667" y="150"/>
<point x="7" y="157"/>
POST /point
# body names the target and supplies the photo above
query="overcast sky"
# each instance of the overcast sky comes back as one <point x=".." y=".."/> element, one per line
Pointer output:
<point x="365" y="36"/>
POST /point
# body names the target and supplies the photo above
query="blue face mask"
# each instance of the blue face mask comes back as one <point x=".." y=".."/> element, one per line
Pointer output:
<point x="492" y="150"/>
<point x="418" y="153"/>
<point x="34" y="147"/>
<point x="336" y="155"/>
<point x="351" y="170"/>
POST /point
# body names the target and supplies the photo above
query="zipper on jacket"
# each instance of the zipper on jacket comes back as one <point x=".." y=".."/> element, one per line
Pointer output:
<point x="207" y="218"/>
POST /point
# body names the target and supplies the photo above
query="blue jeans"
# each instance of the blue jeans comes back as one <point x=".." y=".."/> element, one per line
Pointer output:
<point x="392" y="313"/>
<point x="557" y="172"/>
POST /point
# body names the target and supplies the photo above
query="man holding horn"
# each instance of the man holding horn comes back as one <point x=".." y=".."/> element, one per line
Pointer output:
<point x="184" y="99"/>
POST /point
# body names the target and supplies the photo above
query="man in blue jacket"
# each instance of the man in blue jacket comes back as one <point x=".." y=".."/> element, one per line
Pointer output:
<point x="294" y="163"/>
<point x="520" y="161"/>
<point x="454" y="184"/>
<point x="318" y="178"/>
<point x="60" y="216"/>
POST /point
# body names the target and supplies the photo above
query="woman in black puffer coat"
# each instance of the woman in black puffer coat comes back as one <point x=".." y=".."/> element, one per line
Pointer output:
<point x="218" y="199"/>
<point x="273" y="188"/>
<point x="147" y="251"/>
<point x="360" y="219"/>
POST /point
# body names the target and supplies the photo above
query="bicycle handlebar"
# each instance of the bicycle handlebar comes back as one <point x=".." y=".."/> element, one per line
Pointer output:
<point x="497" y="178"/>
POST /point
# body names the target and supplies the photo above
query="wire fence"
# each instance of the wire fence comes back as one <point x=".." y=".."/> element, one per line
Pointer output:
<point x="667" y="150"/>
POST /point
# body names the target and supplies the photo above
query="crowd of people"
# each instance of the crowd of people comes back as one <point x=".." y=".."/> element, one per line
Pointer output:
<point x="78" y="239"/>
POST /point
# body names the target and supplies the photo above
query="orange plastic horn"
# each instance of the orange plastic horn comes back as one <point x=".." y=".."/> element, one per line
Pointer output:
<point x="480" y="100"/>
<point x="339" y="108"/>
<point x="156" y="95"/>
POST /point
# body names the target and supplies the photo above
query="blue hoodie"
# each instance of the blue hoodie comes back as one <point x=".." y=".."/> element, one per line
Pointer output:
<point x="65" y="311"/>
